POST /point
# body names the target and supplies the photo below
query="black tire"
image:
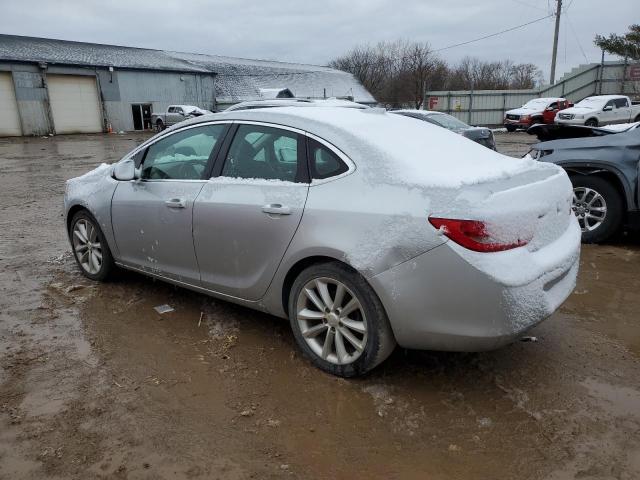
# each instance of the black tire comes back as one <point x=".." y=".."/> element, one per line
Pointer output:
<point x="637" y="119"/>
<point x="592" y="122"/>
<point x="107" y="265"/>
<point x="510" y="128"/>
<point x="380" y="341"/>
<point x="159" y="126"/>
<point x="614" y="207"/>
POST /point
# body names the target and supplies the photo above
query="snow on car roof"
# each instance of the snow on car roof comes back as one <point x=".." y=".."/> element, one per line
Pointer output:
<point x="393" y="148"/>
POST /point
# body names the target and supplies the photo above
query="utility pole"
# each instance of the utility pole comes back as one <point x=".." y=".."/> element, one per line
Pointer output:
<point x="555" y="43"/>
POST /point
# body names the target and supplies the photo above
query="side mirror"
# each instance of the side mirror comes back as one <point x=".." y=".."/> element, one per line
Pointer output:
<point x="608" y="108"/>
<point x="125" y="170"/>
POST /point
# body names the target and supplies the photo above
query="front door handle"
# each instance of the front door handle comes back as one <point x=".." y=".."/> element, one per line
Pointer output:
<point x="176" y="203"/>
<point x="276" y="209"/>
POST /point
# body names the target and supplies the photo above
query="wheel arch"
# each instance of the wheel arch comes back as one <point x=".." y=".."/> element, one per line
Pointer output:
<point x="297" y="268"/>
<point x="610" y="174"/>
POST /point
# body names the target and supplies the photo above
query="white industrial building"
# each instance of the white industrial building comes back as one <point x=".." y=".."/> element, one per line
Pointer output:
<point x="58" y="86"/>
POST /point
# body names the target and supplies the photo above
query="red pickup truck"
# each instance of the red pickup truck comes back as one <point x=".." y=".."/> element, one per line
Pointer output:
<point x="538" y="110"/>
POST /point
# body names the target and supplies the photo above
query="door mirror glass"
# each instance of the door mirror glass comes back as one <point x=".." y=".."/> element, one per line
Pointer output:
<point x="608" y="108"/>
<point x="125" y="170"/>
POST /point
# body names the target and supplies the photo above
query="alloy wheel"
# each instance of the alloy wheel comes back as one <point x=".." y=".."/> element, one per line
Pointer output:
<point x="331" y="320"/>
<point x="589" y="207"/>
<point x="86" y="246"/>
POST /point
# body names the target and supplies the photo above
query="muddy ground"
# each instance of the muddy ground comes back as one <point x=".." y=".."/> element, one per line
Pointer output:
<point x="95" y="384"/>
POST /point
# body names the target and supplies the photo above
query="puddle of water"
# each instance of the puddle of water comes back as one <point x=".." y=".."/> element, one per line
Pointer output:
<point x="607" y="295"/>
<point x="619" y="401"/>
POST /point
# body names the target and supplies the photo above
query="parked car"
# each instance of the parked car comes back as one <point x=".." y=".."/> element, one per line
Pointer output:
<point x="481" y="135"/>
<point x="600" y="110"/>
<point x="175" y="114"/>
<point x="558" y="131"/>
<point x="604" y="173"/>
<point x="294" y="102"/>
<point x="538" y="110"/>
<point x="364" y="228"/>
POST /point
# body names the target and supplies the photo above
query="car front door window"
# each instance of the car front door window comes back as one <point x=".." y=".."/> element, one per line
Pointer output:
<point x="181" y="156"/>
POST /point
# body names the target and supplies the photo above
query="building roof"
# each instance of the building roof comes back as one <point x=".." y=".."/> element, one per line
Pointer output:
<point x="237" y="79"/>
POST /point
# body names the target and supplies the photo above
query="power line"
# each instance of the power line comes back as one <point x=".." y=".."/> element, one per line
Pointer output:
<point x="575" y="35"/>
<point x="494" y="34"/>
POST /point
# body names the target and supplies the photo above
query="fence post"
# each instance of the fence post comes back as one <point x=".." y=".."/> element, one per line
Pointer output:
<point x="470" y="106"/>
<point x="504" y="105"/>
<point x="449" y="102"/>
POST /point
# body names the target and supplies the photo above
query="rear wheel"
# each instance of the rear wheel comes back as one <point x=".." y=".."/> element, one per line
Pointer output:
<point x="598" y="207"/>
<point x="510" y="128"/>
<point x="338" y="321"/>
<point x="90" y="248"/>
<point x="592" y="122"/>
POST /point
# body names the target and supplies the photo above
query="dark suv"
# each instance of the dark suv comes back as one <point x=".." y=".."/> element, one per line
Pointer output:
<point x="604" y="171"/>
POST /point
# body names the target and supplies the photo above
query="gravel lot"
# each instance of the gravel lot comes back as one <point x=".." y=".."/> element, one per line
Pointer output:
<point x="95" y="384"/>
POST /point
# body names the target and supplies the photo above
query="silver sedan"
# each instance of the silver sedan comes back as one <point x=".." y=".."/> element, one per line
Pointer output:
<point x="364" y="229"/>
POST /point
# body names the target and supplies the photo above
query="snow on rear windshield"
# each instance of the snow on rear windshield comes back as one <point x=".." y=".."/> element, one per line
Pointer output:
<point x="397" y="149"/>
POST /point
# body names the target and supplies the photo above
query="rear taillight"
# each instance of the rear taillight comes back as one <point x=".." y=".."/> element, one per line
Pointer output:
<point x="472" y="234"/>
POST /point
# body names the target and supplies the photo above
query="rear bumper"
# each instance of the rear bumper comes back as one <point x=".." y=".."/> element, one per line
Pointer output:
<point x="439" y="301"/>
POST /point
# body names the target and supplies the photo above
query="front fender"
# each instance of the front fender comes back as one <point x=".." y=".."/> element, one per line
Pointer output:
<point x="594" y="167"/>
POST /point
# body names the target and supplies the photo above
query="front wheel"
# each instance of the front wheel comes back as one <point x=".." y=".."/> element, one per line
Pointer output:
<point x="510" y="128"/>
<point x="159" y="126"/>
<point x="598" y="207"/>
<point x="90" y="248"/>
<point x="592" y="122"/>
<point x="338" y="321"/>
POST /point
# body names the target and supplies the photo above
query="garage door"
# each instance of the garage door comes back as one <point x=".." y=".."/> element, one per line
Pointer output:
<point x="74" y="104"/>
<point x="9" y="119"/>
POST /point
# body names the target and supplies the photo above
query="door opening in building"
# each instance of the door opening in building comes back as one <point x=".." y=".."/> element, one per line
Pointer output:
<point x="141" y="116"/>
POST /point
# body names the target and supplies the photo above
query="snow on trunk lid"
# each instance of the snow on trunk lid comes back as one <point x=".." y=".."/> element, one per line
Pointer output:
<point x="532" y="207"/>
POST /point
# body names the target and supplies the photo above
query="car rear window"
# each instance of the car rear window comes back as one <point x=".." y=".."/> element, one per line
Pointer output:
<point x="323" y="163"/>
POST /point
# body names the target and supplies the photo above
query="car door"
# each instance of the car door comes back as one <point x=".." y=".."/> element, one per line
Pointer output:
<point x="623" y="111"/>
<point x="152" y="216"/>
<point x="247" y="214"/>
<point x="608" y="114"/>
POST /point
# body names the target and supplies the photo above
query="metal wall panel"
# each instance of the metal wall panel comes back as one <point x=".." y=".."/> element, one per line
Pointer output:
<point x="487" y="107"/>
<point x="9" y="117"/>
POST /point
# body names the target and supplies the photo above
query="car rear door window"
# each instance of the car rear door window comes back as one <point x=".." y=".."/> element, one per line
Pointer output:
<point x="182" y="155"/>
<point x="621" y="102"/>
<point x="265" y="153"/>
<point x="323" y="162"/>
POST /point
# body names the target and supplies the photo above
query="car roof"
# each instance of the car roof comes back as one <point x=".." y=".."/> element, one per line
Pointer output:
<point x="294" y="102"/>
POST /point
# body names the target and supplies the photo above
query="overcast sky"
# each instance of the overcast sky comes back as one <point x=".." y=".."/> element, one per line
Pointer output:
<point x="317" y="31"/>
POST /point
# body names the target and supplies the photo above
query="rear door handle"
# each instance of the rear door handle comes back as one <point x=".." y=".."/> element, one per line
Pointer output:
<point x="276" y="209"/>
<point x="176" y="203"/>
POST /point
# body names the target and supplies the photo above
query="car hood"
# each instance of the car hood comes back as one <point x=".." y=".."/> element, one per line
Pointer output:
<point x="578" y="110"/>
<point x="524" y="111"/>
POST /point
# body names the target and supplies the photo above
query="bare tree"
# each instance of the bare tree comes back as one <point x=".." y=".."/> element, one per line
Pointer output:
<point x="399" y="73"/>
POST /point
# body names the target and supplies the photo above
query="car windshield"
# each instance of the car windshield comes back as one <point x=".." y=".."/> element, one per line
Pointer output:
<point x="447" y="121"/>
<point x="590" y="102"/>
<point x="537" y="103"/>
